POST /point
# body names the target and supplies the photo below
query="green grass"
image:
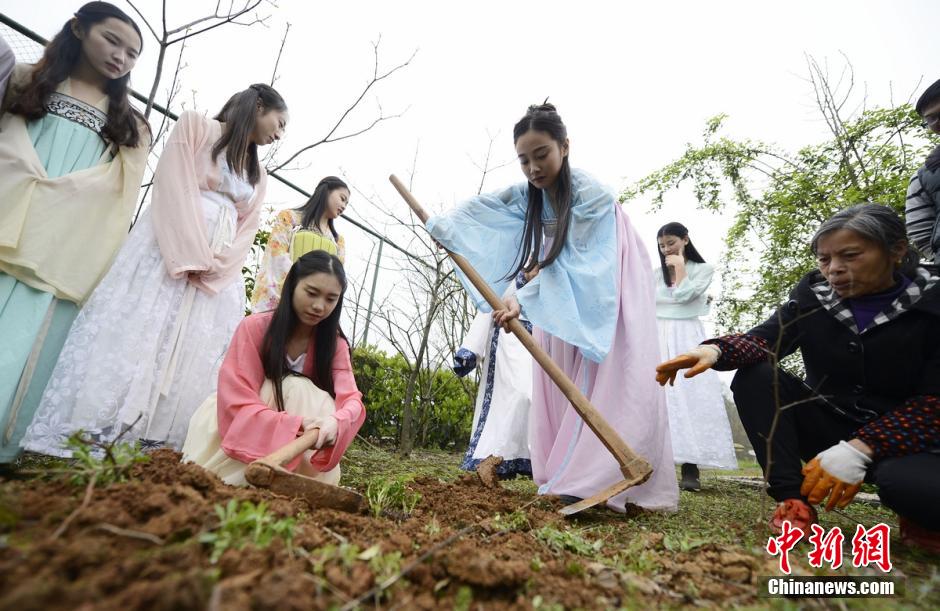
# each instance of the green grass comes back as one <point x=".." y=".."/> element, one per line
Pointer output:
<point x="391" y="493"/>
<point x="364" y="460"/>
<point x="243" y="523"/>
<point x="724" y="513"/>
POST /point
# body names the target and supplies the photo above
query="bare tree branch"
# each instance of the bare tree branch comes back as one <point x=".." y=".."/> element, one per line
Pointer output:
<point x="376" y="78"/>
<point x="280" y="51"/>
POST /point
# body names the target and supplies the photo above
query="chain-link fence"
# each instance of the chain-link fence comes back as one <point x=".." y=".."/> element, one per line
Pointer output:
<point x="28" y="46"/>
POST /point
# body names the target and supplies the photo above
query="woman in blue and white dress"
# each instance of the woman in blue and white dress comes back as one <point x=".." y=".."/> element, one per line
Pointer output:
<point x="501" y="415"/>
<point x="698" y="421"/>
<point x="73" y="152"/>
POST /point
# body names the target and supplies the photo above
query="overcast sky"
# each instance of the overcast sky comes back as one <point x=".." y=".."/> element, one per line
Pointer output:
<point x="634" y="81"/>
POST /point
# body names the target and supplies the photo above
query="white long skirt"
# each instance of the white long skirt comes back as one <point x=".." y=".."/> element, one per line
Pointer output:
<point x="501" y="415"/>
<point x="145" y="350"/>
<point x="701" y="433"/>
<point x="203" y="445"/>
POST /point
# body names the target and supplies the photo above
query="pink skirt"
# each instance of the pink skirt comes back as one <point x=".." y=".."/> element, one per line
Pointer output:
<point x="567" y="458"/>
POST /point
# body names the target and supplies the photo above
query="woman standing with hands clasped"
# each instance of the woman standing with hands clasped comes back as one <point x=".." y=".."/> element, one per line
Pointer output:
<point x="73" y="152"/>
<point x="144" y="352"/>
<point x="698" y="422"/>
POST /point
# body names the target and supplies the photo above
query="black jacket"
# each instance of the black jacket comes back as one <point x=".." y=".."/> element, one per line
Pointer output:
<point x="863" y="374"/>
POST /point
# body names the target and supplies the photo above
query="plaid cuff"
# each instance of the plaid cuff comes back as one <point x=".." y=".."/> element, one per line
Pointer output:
<point x="739" y="350"/>
<point x="910" y="429"/>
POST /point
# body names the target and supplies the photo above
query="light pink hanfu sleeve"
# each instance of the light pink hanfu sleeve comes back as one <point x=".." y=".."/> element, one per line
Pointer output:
<point x="227" y="265"/>
<point x="350" y="412"/>
<point x="249" y="429"/>
<point x="176" y="206"/>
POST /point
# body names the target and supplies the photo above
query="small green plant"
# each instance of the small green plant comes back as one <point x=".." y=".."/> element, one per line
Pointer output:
<point x="515" y="521"/>
<point x="643" y="562"/>
<point x="682" y="542"/>
<point x="539" y="603"/>
<point x="570" y="540"/>
<point x="244" y="523"/>
<point x="433" y="527"/>
<point x="390" y="494"/>
<point x="114" y="466"/>
<point x="575" y="569"/>
<point x="464" y="599"/>
<point x="536" y="564"/>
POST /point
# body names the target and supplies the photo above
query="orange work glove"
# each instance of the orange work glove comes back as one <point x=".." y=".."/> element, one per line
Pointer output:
<point x="837" y="473"/>
<point x="699" y="359"/>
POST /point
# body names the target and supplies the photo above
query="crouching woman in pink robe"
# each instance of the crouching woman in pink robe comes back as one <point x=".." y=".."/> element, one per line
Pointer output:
<point x="285" y="372"/>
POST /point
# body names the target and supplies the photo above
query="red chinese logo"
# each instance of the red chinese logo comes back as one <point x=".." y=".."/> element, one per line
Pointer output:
<point x="872" y="546"/>
<point x="789" y="536"/>
<point x="869" y="546"/>
<point x="826" y="548"/>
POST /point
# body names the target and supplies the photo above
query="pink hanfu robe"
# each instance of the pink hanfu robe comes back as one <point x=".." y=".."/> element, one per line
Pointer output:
<point x="250" y="429"/>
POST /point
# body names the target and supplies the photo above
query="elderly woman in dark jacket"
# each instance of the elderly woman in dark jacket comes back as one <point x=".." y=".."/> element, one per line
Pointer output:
<point x="867" y="324"/>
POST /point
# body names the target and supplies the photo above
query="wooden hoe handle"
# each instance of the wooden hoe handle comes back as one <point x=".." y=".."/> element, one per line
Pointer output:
<point x="632" y="465"/>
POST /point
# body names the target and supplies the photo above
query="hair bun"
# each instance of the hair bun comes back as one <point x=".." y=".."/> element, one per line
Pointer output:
<point x="545" y="106"/>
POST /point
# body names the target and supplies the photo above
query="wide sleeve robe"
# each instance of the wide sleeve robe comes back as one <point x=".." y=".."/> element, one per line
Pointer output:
<point x="250" y="429"/>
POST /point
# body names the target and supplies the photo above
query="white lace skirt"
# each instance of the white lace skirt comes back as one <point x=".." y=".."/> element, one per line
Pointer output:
<point x="698" y="421"/>
<point x="143" y="353"/>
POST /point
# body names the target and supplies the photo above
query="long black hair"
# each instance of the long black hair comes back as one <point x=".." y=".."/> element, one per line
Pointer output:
<point x="60" y="58"/>
<point x="325" y="334"/>
<point x="544" y="118"/>
<point x="239" y="114"/>
<point x="312" y="211"/>
<point x="689" y="252"/>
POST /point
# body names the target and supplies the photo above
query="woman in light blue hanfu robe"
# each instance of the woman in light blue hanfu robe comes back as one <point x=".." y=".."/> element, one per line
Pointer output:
<point x="592" y="304"/>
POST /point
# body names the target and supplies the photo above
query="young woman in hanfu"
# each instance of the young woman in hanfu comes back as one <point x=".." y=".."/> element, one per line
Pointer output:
<point x="591" y="302"/>
<point x="296" y="232"/>
<point x="285" y="372"/>
<point x="501" y="415"/>
<point x="145" y="350"/>
<point x="73" y="153"/>
<point x="701" y="433"/>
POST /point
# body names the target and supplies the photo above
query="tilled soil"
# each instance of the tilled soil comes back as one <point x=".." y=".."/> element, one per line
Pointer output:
<point x="136" y="546"/>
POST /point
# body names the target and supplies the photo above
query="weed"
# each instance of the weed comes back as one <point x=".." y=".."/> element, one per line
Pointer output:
<point x="575" y="569"/>
<point x="539" y="603"/>
<point x="682" y="542"/>
<point x="643" y="562"/>
<point x="348" y="554"/>
<point x="515" y="521"/>
<point x="391" y="494"/>
<point x="433" y="527"/>
<point x="114" y="466"/>
<point x="464" y="599"/>
<point x="243" y="523"/>
<point x="536" y="564"/>
<point x="570" y="540"/>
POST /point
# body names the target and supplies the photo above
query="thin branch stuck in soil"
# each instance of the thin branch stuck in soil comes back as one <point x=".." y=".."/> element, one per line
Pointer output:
<point x="89" y="490"/>
<point x="133" y="534"/>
